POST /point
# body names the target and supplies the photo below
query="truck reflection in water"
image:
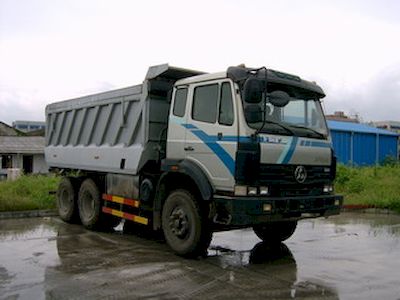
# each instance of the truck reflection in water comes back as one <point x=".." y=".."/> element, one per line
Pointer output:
<point x="273" y="268"/>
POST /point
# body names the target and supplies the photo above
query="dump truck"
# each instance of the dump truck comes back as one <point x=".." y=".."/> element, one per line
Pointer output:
<point x="189" y="153"/>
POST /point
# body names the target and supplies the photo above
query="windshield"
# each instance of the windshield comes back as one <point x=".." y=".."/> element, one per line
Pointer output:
<point x="299" y="117"/>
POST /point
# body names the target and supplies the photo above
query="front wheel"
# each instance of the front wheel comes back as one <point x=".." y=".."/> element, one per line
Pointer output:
<point x="185" y="225"/>
<point x="275" y="232"/>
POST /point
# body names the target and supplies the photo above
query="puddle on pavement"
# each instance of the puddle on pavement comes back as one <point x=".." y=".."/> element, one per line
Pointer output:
<point x="350" y="256"/>
<point x="27" y="248"/>
<point x="358" y="254"/>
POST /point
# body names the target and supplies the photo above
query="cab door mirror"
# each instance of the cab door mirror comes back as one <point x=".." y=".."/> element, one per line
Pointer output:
<point x="253" y="90"/>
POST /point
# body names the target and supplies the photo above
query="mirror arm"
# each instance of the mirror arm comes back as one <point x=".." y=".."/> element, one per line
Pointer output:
<point x="265" y="98"/>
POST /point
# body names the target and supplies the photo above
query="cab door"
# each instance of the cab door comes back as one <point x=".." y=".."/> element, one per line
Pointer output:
<point x="212" y="131"/>
<point x="176" y="127"/>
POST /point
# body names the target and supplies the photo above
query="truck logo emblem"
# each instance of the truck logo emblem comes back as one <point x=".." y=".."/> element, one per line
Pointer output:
<point x="300" y="174"/>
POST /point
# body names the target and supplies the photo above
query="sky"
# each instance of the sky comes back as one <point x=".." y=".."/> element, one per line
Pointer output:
<point x="52" y="50"/>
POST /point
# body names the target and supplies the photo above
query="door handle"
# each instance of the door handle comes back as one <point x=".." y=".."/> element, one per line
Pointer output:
<point x="188" y="148"/>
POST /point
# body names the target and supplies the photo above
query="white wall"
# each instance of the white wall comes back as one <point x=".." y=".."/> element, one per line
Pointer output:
<point x="39" y="164"/>
<point x="17" y="161"/>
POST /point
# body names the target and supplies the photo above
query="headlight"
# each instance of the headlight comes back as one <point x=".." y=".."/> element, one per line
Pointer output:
<point x="244" y="190"/>
<point x="252" y="191"/>
<point x="328" y="188"/>
<point x="264" y="191"/>
<point x="240" y="190"/>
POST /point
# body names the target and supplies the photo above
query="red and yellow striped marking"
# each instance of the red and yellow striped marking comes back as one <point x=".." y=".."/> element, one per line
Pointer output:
<point x="121" y="200"/>
<point x="124" y="215"/>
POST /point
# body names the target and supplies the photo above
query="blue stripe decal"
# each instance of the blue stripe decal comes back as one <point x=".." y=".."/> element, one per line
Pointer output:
<point x="315" y="144"/>
<point x="320" y="144"/>
<point x="211" y="142"/>
<point x="189" y="126"/>
<point x="284" y="151"/>
<point x="287" y="154"/>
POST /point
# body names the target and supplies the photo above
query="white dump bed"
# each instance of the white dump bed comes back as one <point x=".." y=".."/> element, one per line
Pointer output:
<point x="117" y="131"/>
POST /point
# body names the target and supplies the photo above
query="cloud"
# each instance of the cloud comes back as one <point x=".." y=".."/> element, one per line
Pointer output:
<point x="374" y="100"/>
<point x="17" y="104"/>
<point x="383" y="95"/>
<point x="54" y="50"/>
<point x="29" y="103"/>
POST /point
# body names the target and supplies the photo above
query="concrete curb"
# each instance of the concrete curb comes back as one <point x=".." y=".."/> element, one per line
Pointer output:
<point x="27" y="214"/>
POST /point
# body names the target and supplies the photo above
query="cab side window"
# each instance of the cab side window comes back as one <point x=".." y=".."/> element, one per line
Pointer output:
<point x="205" y="103"/>
<point x="180" y="102"/>
<point x="226" y="105"/>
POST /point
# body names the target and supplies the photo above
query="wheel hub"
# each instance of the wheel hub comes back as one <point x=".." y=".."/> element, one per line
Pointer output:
<point x="65" y="201"/>
<point x="88" y="205"/>
<point x="178" y="222"/>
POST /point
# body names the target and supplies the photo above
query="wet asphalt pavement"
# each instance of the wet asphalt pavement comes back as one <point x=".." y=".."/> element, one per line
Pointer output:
<point x="351" y="256"/>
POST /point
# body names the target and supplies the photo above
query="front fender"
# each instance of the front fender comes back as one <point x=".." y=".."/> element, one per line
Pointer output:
<point x="194" y="172"/>
<point x="179" y="174"/>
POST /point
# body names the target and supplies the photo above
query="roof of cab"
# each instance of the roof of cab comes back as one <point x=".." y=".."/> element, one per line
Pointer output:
<point x="200" y="78"/>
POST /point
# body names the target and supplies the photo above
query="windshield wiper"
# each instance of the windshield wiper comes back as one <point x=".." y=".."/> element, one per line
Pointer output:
<point x="319" y="134"/>
<point x="286" y="128"/>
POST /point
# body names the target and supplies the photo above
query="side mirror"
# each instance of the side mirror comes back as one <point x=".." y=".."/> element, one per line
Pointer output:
<point x="279" y="98"/>
<point x="253" y="113"/>
<point x="253" y="90"/>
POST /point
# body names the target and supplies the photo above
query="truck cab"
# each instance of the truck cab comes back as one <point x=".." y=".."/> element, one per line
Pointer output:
<point x="259" y="139"/>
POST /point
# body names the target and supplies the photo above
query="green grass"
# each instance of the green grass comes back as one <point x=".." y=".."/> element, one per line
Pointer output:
<point x="28" y="193"/>
<point x="378" y="186"/>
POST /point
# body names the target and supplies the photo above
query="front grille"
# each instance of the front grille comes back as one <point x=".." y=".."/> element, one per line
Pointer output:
<point x="295" y="190"/>
<point x="284" y="175"/>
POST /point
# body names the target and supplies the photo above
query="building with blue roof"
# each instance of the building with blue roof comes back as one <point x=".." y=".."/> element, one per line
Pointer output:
<point x="362" y="145"/>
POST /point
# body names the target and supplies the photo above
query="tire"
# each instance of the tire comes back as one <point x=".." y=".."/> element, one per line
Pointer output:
<point x="67" y="200"/>
<point x="90" y="204"/>
<point x="185" y="226"/>
<point x="275" y="232"/>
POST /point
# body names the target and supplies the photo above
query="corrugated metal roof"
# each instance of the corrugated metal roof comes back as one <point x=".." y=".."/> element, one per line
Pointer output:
<point x="22" y="144"/>
<point x="356" y="127"/>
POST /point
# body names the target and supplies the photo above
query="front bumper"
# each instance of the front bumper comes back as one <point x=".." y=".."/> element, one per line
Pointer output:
<point x="245" y="211"/>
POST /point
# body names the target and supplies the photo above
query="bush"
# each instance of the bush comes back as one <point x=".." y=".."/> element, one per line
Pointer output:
<point x="378" y="186"/>
<point x="390" y="161"/>
<point x="28" y="192"/>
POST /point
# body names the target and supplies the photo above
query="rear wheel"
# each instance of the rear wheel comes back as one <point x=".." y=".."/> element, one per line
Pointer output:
<point x="67" y="200"/>
<point x="185" y="225"/>
<point x="275" y="232"/>
<point x="90" y="203"/>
